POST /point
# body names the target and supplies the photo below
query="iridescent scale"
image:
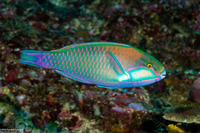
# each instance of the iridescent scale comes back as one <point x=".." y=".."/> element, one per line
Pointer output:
<point x="89" y="62"/>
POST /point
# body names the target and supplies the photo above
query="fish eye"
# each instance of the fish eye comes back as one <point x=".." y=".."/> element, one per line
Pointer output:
<point x="149" y="65"/>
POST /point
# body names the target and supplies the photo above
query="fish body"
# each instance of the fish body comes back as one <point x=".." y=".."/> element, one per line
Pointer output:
<point x="105" y="64"/>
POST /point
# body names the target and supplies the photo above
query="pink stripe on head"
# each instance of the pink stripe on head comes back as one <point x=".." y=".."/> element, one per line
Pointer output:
<point x="78" y="49"/>
<point x="49" y="57"/>
<point x="87" y="53"/>
<point x="85" y="58"/>
<point x="97" y="65"/>
<point x="67" y="67"/>
<point x="86" y="48"/>
<point x="54" y="61"/>
<point x="62" y="62"/>
<point x="77" y="63"/>
<point x="66" y="63"/>
<point x="70" y="64"/>
<point x="61" y="57"/>
<point x="64" y="67"/>
<point x="94" y="48"/>
<point x="76" y="58"/>
<point x="50" y="60"/>
<point x="74" y="50"/>
<point x="81" y="64"/>
<point x="86" y="69"/>
<point x="81" y="58"/>
<point x="89" y="64"/>
<point x="93" y="65"/>
<point x="75" y="54"/>
<point x="63" y="53"/>
<point x="87" y="74"/>
<point x="95" y="53"/>
<point x="58" y="61"/>
<point x="71" y="69"/>
<point x="90" y="48"/>
<point x="98" y="48"/>
<point x="97" y="59"/>
<point x="74" y="63"/>
<point x="59" y="54"/>
<point x="79" y="68"/>
<point x="72" y="58"/>
<point x="57" y="57"/>
<point x="59" y="66"/>
<point x="82" y="69"/>
<point x="91" y="52"/>
<point x="65" y="57"/>
<point x="69" y="57"/>
<point x="83" y="53"/>
<point x="53" y="57"/>
<point x="55" y="54"/>
<point x="82" y="49"/>
<point x="52" y="54"/>
<point x="79" y="54"/>
<point x="144" y="67"/>
<point x="92" y="58"/>
<point x="67" y="53"/>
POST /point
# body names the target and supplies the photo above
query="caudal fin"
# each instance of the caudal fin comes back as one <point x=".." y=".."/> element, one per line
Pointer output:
<point x="32" y="57"/>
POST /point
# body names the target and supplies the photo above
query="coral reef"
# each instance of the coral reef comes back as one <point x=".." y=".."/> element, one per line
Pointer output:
<point x="183" y="114"/>
<point x="40" y="100"/>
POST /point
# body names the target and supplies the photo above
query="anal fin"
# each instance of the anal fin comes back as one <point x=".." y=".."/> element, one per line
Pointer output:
<point x="71" y="76"/>
<point x="108" y="87"/>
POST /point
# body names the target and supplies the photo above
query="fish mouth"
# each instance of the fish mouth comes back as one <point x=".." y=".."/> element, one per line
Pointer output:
<point x="163" y="74"/>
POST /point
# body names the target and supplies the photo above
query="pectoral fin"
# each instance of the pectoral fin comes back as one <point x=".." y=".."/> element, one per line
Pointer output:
<point x="115" y="63"/>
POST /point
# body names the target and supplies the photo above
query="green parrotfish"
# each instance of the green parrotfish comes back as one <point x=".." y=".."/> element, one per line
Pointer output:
<point x="105" y="64"/>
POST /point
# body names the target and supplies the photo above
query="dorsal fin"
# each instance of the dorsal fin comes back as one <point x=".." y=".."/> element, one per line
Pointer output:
<point x="92" y="43"/>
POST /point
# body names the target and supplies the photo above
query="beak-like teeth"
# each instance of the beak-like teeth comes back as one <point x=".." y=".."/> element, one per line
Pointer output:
<point x="163" y="74"/>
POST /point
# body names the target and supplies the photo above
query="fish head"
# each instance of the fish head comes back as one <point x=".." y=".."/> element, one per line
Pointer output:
<point x="146" y="70"/>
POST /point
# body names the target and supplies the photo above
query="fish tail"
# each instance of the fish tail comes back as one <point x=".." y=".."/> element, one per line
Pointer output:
<point x="33" y="58"/>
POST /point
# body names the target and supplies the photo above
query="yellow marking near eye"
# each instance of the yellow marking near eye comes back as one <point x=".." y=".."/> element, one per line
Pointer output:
<point x="149" y="65"/>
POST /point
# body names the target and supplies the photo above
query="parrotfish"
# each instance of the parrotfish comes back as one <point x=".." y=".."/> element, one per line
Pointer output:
<point x="105" y="64"/>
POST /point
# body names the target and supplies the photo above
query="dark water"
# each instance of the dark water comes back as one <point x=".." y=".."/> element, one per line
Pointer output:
<point x="39" y="100"/>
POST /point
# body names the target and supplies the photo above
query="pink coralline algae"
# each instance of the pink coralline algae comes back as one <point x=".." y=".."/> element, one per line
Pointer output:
<point x="131" y="108"/>
<point x="194" y="94"/>
<point x="64" y="115"/>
